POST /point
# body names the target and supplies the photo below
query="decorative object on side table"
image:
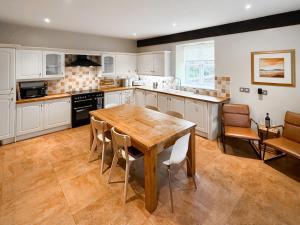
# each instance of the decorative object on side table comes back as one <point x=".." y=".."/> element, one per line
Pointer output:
<point x="273" y="68"/>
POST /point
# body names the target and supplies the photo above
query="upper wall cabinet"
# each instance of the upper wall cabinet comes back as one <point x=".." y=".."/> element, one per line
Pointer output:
<point x="119" y="64"/>
<point x="37" y="65"/>
<point x="54" y="64"/>
<point x="126" y="64"/>
<point x="108" y="64"/>
<point x="7" y="71"/>
<point x="154" y="63"/>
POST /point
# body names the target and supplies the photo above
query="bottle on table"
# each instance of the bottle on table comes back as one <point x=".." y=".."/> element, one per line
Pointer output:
<point x="267" y="121"/>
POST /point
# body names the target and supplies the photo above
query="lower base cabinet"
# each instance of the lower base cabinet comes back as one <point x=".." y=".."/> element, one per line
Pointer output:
<point x="196" y="112"/>
<point x="38" y="116"/>
<point x="118" y="97"/>
<point x="7" y="116"/>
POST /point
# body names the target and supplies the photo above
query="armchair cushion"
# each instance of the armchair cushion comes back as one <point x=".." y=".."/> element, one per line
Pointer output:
<point x="241" y="132"/>
<point x="285" y="145"/>
<point x="292" y="126"/>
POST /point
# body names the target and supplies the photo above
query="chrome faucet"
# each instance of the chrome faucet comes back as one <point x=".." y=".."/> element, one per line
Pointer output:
<point x="178" y="87"/>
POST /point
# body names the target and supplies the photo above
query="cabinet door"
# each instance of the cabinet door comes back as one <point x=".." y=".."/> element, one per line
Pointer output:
<point x="7" y="71"/>
<point x="163" y="103"/>
<point x="127" y="97"/>
<point x="29" y="64"/>
<point x="108" y="64"/>
<point x="57" y="113"/>
<point x="145" y="64"/>
<point x="140" y="97"/>
<point x="125" y="64"/>
<point x="112" y="98"/>
<point x="7" y="112"/>
<point x="53" y="65"/>
<point x="177" y="104"/>
<point x="196" y="111"/>
<point x="151" y="98"/>
<point x="29" y="118"/>
<point x="158" y="64"/>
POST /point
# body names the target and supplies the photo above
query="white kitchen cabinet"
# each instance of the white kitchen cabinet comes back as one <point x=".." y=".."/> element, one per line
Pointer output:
<point x="108" y="64"/>
<point x="112" y="98"/>
<point x="7" y="116"/>
<point x="177" y="104"/>
<point x="127" y="97"/>
<point x="7" y="71"/>
<point x="29" y="118"/>
<point x="140" y="97"/>
<point x="155" y="63"/>
<point x="170" y="103"/>
<point x="145" y="64"/>
<point x="57" y="113"/>
<point x="53" y="65"/>
<point x="197" y="112"/>
<point x="163" y="102"/>
<point x="29" y="64"/>
<point x="151" y="98"/>
<point x="126" y="64"/>
<point x="39" y="65"/>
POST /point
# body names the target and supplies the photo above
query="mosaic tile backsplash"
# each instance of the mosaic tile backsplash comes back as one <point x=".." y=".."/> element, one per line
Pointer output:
<point x="76" y="79"/>
<point x="84" y="78"/>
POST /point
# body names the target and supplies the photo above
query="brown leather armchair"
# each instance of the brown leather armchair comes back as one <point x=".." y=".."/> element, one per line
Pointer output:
<point x="236" y="123"/>
<point x="289" y="142"/>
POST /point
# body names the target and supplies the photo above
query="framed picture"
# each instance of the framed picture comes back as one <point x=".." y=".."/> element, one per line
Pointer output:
<point x="273" y="68"/>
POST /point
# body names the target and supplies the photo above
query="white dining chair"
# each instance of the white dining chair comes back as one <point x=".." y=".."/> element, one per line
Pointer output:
<point x="99" y="129"/>
<point x="178" y="155"/>
<point x="122" y="149"/>
<point x="110" y="105"/>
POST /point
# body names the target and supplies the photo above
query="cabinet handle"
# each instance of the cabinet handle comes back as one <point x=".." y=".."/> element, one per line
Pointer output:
<point x="40" y="74"/>
<point x="11" y="99"/>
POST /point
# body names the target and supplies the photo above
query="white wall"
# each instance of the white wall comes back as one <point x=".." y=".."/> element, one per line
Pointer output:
<point x="39" y="37"/>
<point x="232" y="54"/>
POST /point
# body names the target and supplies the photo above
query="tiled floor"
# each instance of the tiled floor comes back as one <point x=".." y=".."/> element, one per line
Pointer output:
<point x="47" y="180"/>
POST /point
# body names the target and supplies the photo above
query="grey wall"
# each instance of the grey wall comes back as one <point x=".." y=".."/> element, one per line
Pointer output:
<point x="232" y="55"/>
<point x="39" y="37"/>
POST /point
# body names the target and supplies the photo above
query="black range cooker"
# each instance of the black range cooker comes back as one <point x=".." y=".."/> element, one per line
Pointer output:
<point x="82" y="103"/>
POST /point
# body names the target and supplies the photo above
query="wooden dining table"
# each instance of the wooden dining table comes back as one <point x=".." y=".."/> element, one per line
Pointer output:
<point x="149" y="131"/>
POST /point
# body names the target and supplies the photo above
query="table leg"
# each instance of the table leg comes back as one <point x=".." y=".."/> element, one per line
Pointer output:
<point x="191" y="153"/>
<point x="150" y="171"/>
<point x="91" y="136"/>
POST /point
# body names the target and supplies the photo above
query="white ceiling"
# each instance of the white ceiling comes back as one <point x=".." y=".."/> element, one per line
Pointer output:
<point x="146" y="18"/>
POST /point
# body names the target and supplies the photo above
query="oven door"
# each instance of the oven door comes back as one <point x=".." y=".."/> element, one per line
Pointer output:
<point x="81" y="116"/>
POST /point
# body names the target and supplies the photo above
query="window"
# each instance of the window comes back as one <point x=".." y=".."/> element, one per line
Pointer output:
<point x="195" y="64"/>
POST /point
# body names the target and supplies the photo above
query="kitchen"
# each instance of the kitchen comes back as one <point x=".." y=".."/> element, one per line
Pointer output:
<point x="68" y="97"/>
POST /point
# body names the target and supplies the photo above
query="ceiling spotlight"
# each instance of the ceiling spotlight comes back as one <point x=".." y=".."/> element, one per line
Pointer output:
<point x="174" y="24"/>
<point x="248" y="6"/>
<point x="46" y="20"/>
<point x="134" y="34"/>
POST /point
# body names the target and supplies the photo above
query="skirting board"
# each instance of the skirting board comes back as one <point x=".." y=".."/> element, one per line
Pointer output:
<point x="35" y="134"/>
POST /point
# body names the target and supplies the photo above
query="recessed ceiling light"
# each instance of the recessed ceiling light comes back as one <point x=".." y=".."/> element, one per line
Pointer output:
<point x="46" y="20"/>
<point x="174" y="24"/>
<point x="134" y="34"/>
<point x="248" y="6"/>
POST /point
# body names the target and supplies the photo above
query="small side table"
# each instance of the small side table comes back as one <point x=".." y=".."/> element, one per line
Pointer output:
<point x="264" y="134"/>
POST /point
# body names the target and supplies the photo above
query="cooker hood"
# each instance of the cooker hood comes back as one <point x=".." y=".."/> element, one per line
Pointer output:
<point x="84" y="60"/>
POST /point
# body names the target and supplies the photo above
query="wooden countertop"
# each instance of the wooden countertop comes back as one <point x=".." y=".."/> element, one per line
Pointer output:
<point x="112" y="89"/>
<point x="46" y="98"/>
<point x="184" y="94"/>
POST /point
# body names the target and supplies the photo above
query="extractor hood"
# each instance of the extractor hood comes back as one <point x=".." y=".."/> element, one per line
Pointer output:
<point x="84" y="60"/>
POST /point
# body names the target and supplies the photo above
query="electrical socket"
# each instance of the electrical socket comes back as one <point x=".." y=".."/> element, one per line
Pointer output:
<point x="247" y="90"/>
<point x="264" y="92"/>
<point x="242" y="89"/>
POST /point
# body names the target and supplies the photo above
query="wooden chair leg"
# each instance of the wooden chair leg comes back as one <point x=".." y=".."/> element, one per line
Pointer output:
<point x="170" y="187"/>
<point x="102" y="156"/>
<point x="114" y="164"/>
<point x="223" y="142"/>
<point x="190" y="166"/>
<point x="126" y="180"/>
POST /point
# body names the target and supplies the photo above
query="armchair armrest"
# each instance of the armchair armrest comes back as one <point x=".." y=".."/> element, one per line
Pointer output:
<point x="257" y="126"/>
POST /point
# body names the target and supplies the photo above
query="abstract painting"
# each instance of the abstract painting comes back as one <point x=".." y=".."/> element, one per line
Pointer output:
<point x="273" y="68"/>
